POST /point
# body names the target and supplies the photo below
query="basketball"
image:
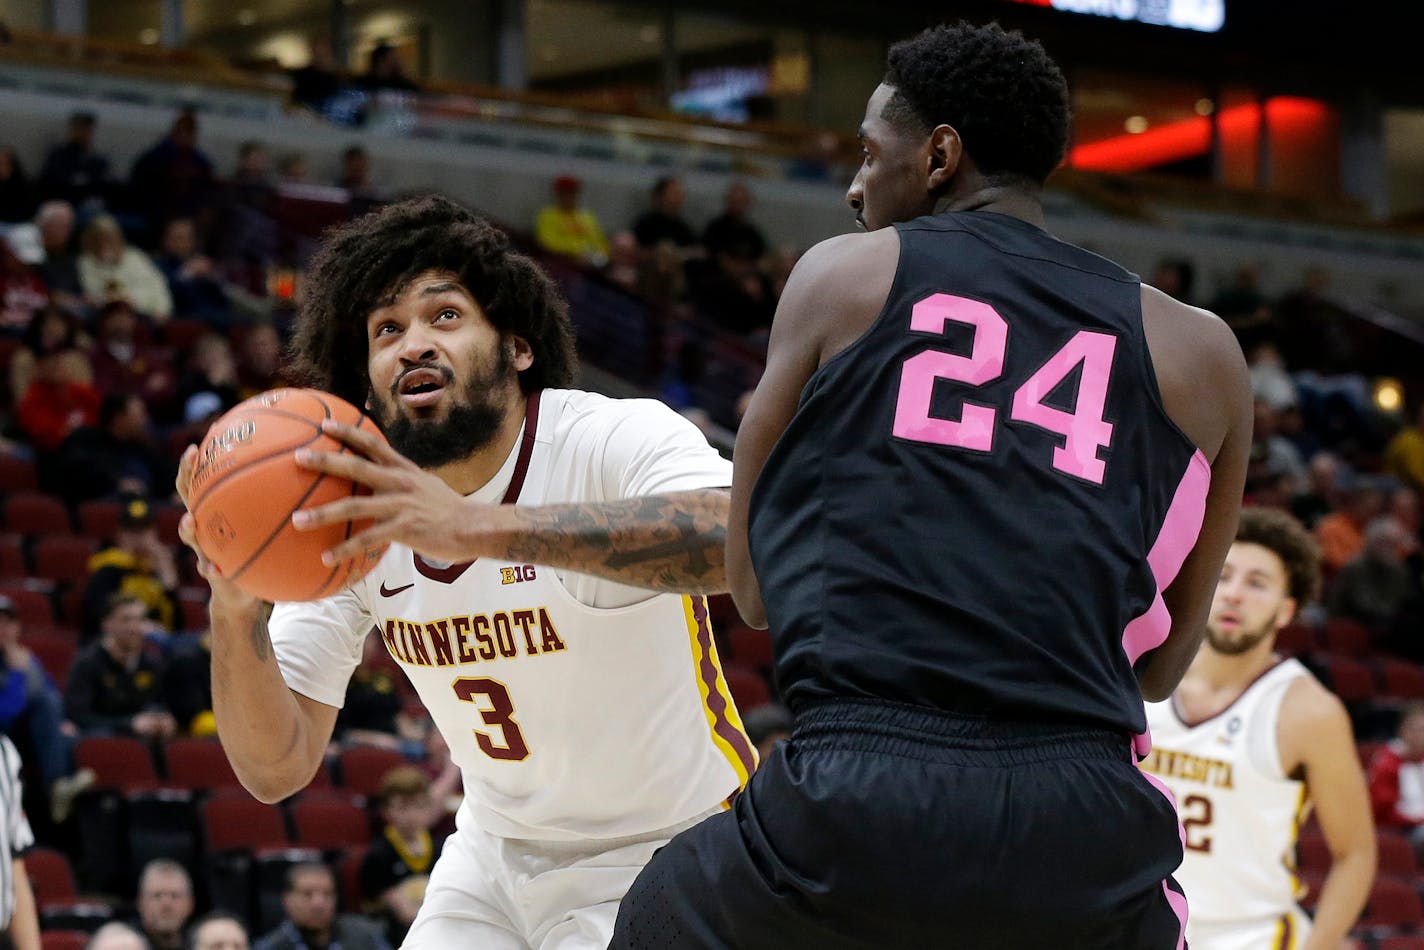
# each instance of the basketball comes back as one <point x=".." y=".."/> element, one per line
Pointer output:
<point x="246" y="485"/>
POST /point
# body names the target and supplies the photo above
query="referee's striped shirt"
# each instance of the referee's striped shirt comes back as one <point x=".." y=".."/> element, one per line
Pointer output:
<point x="15" y="833"/>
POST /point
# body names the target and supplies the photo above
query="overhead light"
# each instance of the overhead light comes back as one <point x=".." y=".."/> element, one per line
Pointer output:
<point x="247" y="17"/>
<point x="1389" y="395"/>
<point x="1136" y="124"/>
<point x="1205" y="107"/>
<point x="649" y="33"/>
<point x="148" y="37"/>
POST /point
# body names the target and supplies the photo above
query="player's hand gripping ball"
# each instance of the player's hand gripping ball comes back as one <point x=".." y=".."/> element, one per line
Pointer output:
<point x="246" y="484"/>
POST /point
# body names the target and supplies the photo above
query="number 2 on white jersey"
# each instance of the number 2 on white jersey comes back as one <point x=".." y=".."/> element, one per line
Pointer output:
<point x="1084" y="430"/>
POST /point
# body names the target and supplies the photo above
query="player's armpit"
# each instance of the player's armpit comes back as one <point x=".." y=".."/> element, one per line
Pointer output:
<point x="673" y="543"/>
<point x="1315" y="736"/>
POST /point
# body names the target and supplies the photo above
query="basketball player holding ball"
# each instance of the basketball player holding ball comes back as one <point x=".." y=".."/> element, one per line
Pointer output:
<point x="548" y="549"/>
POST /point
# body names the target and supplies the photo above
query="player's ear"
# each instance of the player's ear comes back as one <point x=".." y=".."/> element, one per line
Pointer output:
<point x="945" y="150"/>
<point x="518" y="351"/>
<point x="1286" y="612"/>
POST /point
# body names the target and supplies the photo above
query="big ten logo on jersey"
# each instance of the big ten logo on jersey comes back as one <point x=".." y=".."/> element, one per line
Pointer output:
<point x="516" y="574"/>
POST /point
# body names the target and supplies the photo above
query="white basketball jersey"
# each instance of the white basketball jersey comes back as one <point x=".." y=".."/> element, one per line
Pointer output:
<point x="1240" y="812"/>
<point x="576" y="708"/>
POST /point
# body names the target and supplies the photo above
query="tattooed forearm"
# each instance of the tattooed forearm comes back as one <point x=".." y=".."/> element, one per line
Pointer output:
<point x="662" y="542"/>
<point x="261" y="641"/>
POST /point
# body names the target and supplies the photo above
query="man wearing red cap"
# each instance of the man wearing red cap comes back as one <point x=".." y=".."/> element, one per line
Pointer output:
<point x="565" y="228"/>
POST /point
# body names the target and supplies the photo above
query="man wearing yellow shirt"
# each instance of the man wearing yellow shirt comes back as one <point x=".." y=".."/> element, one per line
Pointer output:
<point x="565" y="228"/>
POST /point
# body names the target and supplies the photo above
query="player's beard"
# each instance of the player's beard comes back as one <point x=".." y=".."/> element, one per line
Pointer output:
<point x="1244" y="642"/>
<point x="471" y="422"/>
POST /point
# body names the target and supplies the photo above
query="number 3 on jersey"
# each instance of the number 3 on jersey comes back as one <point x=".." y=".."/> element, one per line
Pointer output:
<point x="1084" y="430"/>
<point x="497" y="710"/>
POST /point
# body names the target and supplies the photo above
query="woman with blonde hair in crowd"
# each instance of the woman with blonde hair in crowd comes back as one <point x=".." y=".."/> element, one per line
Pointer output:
<point x="109" y="268"/>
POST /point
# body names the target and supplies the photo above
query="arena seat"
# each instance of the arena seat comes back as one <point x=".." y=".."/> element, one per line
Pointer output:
<point x="1345" y="636"/>
<point x="182" y="334"/>
<point x="34" y="513"/>
<point x="330" y="823"/>
<point x="751" y="647"/>
<point x="55" y="653"/>
<point x="1396" y="854"/>
<point x="64" y="557"/>
<point x="119" y="762"/>
<point x="17" y="475"/>
<point x="64" y="940"/>
<point x="1347" y="678"/>
<point x="199" y="765"/>
<point x="193" y="608"/>
<point x="349" y="879"/>
<point x="33" y="605"/>
<point x="166" y="517"/>
<point x="746" y="686"/>
<point x="363" y="767"/>
<point x="1296" y="638"/>
<point x="1393" y="903"/>
<point x="234" y="820"/>
<point x="51" y="877"/>
<point x="1400" y="679"/>
<point x="1312" y="851"/>
<point x="1401" y="942"/>
<point x="85" y="916"/>
<point x="12" y="559"/>
<point x="98" y="519"/>
<point x="161" y="823"/>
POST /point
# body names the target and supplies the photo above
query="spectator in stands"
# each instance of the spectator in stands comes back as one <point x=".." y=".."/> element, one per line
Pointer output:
<point x="767" y="725"/>
<point x="314" y="84"/>
<point x="1321" y="493"/>
<point x="21" y="291"/>
<point x="1404" y="456"/>
<point x="355" y="177"/>
<point x="116" y="936"/>
<point x="54" y="404"/>
<point x="60" y="267"/>
<point x="679" y="388"/>
<point x="312" y="922"/>
<point x="174" y="177"/>
<point x="124" y="363"/>
<point x="192" y="279"/>
<point x="246" y="237"/>
<point x="292" y="169"/>
<point x="625" y="265"/>
<point x="1342" y="533"/>
<point x="1245" y="309"/>
<point x="1404" y="506"/>
<point x="165" y="903"/>
<point x="1280" y="454"/>
<point x="1314" y="327"/>
<point x="115" y="456"/>
<point x="17" y="195"/>
<point x="138" y="566"/>
<point x="1373" y="586"/>
<point x="74" y="172"/>
<point x="1396" y="775"/>
<point x="566" y="228"/>
<point x="218" y="930"/>
<point x="114" y="686"/>
<point x="373" y="713"/>
<point x="259" y="360"/>
<point x="19" y="920"/>
<point x="396" y="869"/>
<point x="32" y="716"/>
<point x="730" y="290"/>
<point x="663" y="223"/>
<point x="210" y="383"/>
<point x="732" y="231"/>
<point x="52" y="330"/>
<point x="111" y="269"/>
<point x="1175" y="277"/>
<point x="385" y="71"/>
<point x="190" y="687"/>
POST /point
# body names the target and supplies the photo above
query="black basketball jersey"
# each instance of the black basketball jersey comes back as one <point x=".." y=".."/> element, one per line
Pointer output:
<point x="978" y="502"/>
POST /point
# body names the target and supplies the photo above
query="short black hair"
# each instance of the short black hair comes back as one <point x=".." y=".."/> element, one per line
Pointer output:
<point x="1287" y="538"/>
<point x="1000" y="91"/>
<point x="365" y="263"/>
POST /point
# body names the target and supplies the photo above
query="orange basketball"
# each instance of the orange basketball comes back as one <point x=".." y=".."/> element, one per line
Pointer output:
<point x="246" y="484"/>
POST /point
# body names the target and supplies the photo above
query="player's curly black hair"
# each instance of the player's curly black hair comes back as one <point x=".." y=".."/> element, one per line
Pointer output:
<point x="1287" y="538"/>
<point x="365" y="263"/>
<point x="1000" y="91"/>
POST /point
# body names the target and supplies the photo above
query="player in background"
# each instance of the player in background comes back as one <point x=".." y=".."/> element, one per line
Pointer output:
<point x="995" y="477"/>
<point x="542" y="591"/>
<point x="1249" y="743"/>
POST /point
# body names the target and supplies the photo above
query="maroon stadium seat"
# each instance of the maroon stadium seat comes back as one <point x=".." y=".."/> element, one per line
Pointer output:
<point x="199" y="765"/>
<point x="34" y="606"/>
<point x="1314" y="853"/>
<point x="119" y="762"/>
<point x="1393" y="903"/>
<point x="34" y="513"/>
<point x="349" y="875"/>
<point x="17" y="474"/>
<point x="1344" y="636"/>
<point x="236" y="820"/>
<point x="751" y="648"/>
<point x="166" y="517"/>
<point x="1296" y="638"/>
<point x="1401" y="942"/>
<point x="330" y="823"/>
<point x="1400" y="679"/>
<point x="55" y="653"/>
<point x="51" y="876"/>
<point x="64" y="557"/>
<point x="64" y="940"/>
<point x="99" y="519"/>
<point x="12" y="560"/>
<point x="363" y="767"/>
<point x="1347" y="678"/>
<point x="746" y="686"/>
<point x="1396" y="854"/>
